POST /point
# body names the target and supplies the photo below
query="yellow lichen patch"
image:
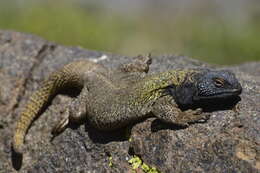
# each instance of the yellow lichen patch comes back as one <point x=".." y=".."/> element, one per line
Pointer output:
<point x="110" y="164"/>
<point x="137" y="163"/>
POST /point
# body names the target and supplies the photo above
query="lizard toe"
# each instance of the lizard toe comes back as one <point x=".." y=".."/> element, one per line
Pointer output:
<point x="204" y="117"/>
<point x="60" y="127"/>
<point x="198" y="111"/>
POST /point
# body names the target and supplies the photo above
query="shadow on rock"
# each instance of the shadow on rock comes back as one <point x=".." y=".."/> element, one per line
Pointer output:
<point x="104" y="137"/>
<point x="158" y="125"/>
<point x="214" y="104"/>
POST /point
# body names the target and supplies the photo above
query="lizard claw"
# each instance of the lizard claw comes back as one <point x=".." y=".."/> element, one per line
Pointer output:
<point x="196" y="115"/>
<point x="198" y="111"/>
<point x="204" y="117"/>
<point x="61" y="126"/>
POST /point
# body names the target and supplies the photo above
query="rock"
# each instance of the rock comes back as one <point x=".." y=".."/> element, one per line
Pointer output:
<point x="228" y="142"/>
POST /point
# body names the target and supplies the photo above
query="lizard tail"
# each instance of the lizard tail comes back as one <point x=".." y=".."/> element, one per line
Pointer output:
<point x="70" y="75"/>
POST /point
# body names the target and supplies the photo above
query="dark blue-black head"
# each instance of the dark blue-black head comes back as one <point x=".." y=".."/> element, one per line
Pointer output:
<point x="206" y="85"/>
<point x="216" y="84"/>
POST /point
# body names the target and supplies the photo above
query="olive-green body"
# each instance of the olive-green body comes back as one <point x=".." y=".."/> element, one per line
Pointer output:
<point x="111" y="99"/>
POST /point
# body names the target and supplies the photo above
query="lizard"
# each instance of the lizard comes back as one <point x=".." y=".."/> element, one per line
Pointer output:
<point x="113" y="98"/>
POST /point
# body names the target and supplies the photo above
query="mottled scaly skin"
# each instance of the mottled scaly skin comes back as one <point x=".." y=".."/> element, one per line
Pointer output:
<point x="111" y="99"/>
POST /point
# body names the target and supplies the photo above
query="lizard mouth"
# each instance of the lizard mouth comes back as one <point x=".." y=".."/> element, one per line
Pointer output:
<point x="220" y="95"/>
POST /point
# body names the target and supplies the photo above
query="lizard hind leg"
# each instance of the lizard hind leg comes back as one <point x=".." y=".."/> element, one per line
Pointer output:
<point x="61" y="125"/>
<point x="75" y="113"/>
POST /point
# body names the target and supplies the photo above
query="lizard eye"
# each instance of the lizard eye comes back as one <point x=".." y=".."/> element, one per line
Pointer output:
<point x="219" y="82"/>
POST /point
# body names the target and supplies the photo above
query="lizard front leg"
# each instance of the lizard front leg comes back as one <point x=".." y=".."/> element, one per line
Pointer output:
<point x="167" y="110"/>
<point x="75" y="113"/>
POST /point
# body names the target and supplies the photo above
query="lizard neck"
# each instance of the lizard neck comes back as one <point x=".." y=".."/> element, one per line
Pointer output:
<point x="153" y="87"/>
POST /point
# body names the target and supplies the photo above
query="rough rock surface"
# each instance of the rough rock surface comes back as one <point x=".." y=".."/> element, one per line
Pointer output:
<point x="228" y="142"/>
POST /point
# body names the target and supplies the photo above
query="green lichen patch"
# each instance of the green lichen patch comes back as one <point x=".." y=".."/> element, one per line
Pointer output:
<point x="110" y="163"/>
<point x="137" y="163"/>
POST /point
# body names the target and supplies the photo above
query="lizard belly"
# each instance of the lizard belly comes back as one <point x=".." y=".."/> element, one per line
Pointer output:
<point x="109" y="115"/>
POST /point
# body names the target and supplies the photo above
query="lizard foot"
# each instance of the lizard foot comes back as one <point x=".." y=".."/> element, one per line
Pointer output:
<point x="204" y="117"/>
<point x="192" y="116"/>
<point x="61" y="126"/>
<point x="197" y="111"/>
<point x="197" y="115"/>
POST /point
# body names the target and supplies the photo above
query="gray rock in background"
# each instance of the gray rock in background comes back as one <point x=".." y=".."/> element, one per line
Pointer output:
<point x="228" y="142"/>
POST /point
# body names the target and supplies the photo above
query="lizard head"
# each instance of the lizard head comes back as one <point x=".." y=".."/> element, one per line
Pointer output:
<point x="207" y="85"/>
<point x="216" y="84"/>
